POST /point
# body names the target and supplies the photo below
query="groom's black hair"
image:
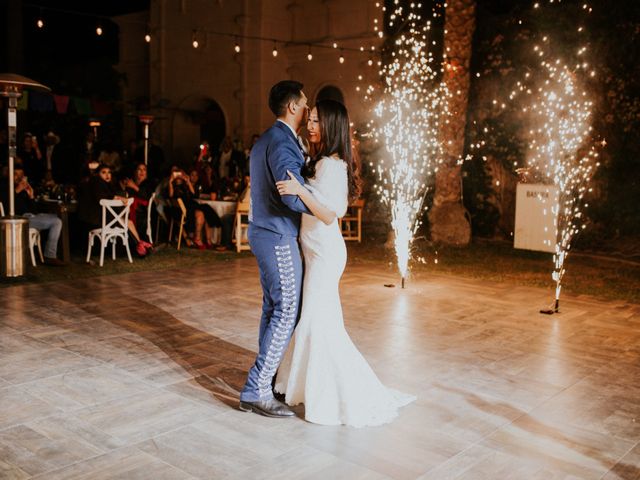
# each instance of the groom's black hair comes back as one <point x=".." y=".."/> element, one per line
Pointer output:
<point x="282" y="93"/>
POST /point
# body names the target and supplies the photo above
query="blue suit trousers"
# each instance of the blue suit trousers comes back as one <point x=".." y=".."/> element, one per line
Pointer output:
<point x="280" y="265"/>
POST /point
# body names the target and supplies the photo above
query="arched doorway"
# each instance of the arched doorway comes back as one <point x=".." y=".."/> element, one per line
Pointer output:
<point x="330" y="92"/>
<point x="213" y="127"/>
<point x="197" y="119"/>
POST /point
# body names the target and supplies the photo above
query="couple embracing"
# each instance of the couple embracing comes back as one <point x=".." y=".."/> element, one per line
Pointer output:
<point x="302" y="338"/>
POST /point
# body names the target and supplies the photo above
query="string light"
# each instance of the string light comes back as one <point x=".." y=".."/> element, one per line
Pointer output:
<point x="194" y="39"/>
<point x="196" y="43"/>
<point x="341" y="59"/>
<point x="309" y="55"/>
<point x="275" y="50"/>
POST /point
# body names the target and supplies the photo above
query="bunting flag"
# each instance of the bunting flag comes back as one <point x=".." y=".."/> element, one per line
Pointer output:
<point x="41" y="102"/>
<point x="82" y="105"/>
<point x="23" y="101"/>
<point x="62" y="103"/>
<point x="100" y="107"/>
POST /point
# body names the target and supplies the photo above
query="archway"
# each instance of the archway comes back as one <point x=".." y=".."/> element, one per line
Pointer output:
<point x="330" y="92"/>
<point x="213" y="126"/>
<point x="197" y="119"/>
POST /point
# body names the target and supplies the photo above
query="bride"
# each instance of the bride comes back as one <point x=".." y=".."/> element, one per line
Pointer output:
<point x="323" y="369"/>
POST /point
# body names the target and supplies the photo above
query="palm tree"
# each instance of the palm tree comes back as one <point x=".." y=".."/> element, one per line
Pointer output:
<point x="448" y="218"/>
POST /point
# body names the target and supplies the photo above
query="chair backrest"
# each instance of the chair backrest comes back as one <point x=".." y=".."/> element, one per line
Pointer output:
<point x="244" y="203"/>
<point x="119" y="219"/>
<point x="359" y="202"/>
<point x="1" y="210"/>
<point x="151" y="204"/>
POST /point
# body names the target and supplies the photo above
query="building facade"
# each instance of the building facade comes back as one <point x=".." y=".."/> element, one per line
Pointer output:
<point x="208" y="92"/>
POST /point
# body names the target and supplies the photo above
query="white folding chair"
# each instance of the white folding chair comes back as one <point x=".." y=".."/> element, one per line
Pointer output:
<point x="149" y="232"/>
<point x="34" y="241"/>
<point x="115" y="224"/>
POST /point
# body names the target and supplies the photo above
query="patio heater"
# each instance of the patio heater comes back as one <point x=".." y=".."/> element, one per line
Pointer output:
<point x="94" y="125"/>
<point x="14" y="231"/>
<point x="146" y="120"/>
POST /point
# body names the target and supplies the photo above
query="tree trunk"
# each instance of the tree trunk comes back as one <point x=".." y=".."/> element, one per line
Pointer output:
<point x="448" y="220"/>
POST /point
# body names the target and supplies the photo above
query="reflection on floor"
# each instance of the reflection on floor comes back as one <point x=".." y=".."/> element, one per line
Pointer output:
<point x="137" y="376"/>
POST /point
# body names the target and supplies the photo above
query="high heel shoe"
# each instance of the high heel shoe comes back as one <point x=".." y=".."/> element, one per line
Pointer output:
<point x="199" y="245"/>
<point x="141" y="249"/>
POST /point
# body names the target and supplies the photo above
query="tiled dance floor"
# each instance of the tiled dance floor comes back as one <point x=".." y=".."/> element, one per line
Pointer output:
<point x="136" y="377"/>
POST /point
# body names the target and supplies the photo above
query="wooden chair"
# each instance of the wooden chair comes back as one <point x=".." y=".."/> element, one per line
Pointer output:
<point x="183" y="218"/>
<point x="241" y="222"/>
<point x="241" y="228"/>
<point x="115" y="224"/>
<point x="351" y="223"/>
<point x="34" y="241"/>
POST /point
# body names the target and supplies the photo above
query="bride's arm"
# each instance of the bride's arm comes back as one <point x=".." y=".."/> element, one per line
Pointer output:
<point x="294" y="187"/>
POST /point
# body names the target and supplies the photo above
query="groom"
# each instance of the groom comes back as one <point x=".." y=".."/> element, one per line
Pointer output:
<point x="274" y="224"/>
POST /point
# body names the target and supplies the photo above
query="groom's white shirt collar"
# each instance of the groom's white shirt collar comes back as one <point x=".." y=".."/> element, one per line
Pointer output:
<point x="295" y="135"/>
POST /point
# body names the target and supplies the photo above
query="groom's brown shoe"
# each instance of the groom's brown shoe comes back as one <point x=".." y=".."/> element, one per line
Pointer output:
<point x="269" y="408"/>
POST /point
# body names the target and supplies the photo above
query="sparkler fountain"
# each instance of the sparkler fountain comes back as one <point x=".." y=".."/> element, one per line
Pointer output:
<point x="560" y="113"/>
<point x="562" y="151"/>
<point x="408" y="114"/>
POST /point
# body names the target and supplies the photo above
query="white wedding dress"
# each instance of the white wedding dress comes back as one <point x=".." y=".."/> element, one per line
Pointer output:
<point x="322" y="368"/>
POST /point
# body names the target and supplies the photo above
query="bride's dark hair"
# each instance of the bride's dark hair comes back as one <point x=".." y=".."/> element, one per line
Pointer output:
<point x="335" y="138"/>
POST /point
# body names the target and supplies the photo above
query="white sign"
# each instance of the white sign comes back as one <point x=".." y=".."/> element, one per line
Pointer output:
<point x="536" y="213"/>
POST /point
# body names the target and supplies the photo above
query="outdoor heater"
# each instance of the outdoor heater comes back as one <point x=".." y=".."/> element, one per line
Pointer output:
<point x="14" y="231"/>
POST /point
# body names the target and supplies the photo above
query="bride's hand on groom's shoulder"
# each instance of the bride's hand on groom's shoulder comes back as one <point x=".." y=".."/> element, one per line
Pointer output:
<point x="289" y="187"/>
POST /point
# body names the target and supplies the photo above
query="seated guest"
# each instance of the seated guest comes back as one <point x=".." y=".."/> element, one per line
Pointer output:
<point x="179" y="187"/>
<point x="101" y="187"/>
<point x="25" y="206"/>
<point x="139" y="187"/>
<point x="209" y="218"/>
<point x="31" y="156"/>
<point x="210" y="182"/>
<point x="48" y="184"/>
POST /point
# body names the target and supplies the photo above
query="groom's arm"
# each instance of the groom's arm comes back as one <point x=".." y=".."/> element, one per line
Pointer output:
<point x="284" y="158"/>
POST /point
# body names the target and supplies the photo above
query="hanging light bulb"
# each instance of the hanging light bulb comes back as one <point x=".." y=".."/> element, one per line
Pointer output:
<point x="275" y="49"/>
<point x="370" y="62"/>
<point x="40" y="23"/>
<point x="341" y="59"/>
<point x="194" y="40"/>
<point x="147" y="38"/>
<point x="309" y="55"/>
<point x="99" y="30"/>
<point x="237" y="47"/>
<point x="335" y="45"/>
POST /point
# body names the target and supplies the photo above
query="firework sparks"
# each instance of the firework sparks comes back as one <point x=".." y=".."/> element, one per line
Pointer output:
<point x="559" y="153"/>
<point x="562" y="149"/>
<point x="408" y="113"/>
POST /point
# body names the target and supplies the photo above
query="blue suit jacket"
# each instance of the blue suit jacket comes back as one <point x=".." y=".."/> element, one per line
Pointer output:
<point x="275" y="152"/>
